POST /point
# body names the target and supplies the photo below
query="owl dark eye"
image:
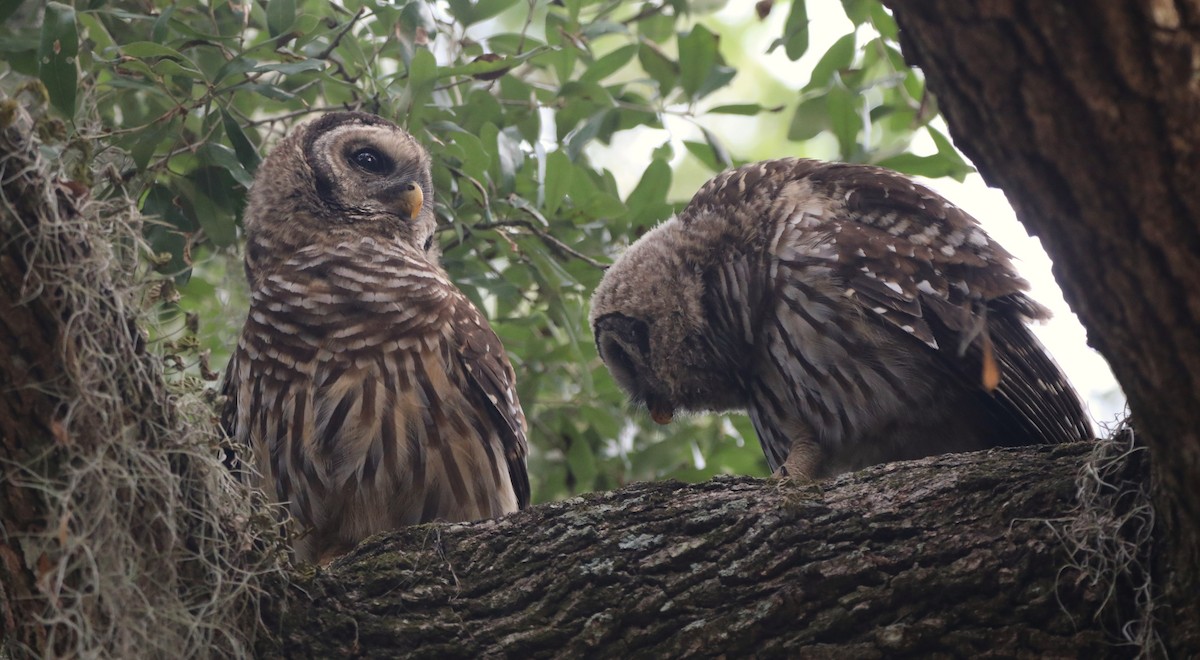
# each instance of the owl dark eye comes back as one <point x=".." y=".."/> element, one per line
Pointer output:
<point x="371" y="161"/>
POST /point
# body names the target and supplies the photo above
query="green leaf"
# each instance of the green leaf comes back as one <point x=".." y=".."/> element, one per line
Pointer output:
<point x="95" y="31"/>
<point x="812" y="117"/>
<point x="580" y="137"/>
<point x="148" y="49"/>
<point x="882" y="21"/>
<point x="927" y="166"/>
<point x="657" y="27"/>
<point x="609" y="64"/>
<point x="8" y="8"/>
<point x="57" y="50"/>
<point x="795" y="32"/>
<point x="748" y="109"/>
<point x="596" y="29"/>
<point x="291" y="68"/>
<point x="858" y="11"/>
<point x="168" y="67"/>
<point x="697" y="57"/>
<point x="661" y="68"/>
<point x="158" y="33"/>
<point x="710" y="152"/>
<point x="246" y="153"/>
<point x="959" y="168"/>
<point x="281" y="15"/>
<point x="845" y="120"/>
<point x="582" y="462"/>
<point x="556" y="182"/>
<point x="718" y="77"/>
<point x="648" y="200"/>
<point x="147" y="142"/>
<point x="218" y="225"/>
<point x="719" y="150"/>
<point x="422" y="73"/>
<point x="166" y="229"/>
<point x="509" y="159"/>
<point x="587" y="91"/>
<point x="839" y="56"/>
<point x="468" y="11"/>
<point x="222" y="156"/>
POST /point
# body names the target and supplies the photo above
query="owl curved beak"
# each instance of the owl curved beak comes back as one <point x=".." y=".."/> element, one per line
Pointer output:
<point x="624" y="345"/>
<point x="661" y="412"/>
<point x="404" y="198"/>
<point x="411" y="200"/>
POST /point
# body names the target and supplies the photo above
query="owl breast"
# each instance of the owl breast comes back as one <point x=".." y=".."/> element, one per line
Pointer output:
<point x="370" y="420"/>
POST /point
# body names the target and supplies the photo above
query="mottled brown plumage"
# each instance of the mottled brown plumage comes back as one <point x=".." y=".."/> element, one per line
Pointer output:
<point x="857" y="316"/>
<point x="371" y="393"/>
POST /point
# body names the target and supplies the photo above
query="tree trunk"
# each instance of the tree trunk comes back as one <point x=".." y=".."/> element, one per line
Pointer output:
<point x="1087" y="114"/>
<point x="962" y="556"/>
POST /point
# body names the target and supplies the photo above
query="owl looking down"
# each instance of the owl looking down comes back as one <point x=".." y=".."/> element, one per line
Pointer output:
<point x="371" y="393"/>
<point x="857" y="316"/>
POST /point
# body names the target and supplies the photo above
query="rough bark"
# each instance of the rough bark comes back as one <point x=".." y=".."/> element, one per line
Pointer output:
<point x="1087" y="114"/>
<point x="961" y="556"/>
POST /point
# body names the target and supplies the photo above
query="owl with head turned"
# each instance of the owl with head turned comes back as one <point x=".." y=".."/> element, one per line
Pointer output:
<point x="857" y="316"/>
<point x="370" y="392"/>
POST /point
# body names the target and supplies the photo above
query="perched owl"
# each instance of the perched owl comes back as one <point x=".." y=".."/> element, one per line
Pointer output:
<point x="859" y="317"/>
<point x="371" y="393"/>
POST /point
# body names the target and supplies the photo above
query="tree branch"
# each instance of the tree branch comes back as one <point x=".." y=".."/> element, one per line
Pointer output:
<point x="956" y="555"/>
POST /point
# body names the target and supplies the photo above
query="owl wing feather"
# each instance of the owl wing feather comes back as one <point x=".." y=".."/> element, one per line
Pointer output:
<point x="922" y="265"/>
<point x="483" y="358"/>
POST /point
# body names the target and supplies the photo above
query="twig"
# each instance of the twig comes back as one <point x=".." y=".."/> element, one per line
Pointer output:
<point x="546" y="238"/>
<point x="337" y="39"/>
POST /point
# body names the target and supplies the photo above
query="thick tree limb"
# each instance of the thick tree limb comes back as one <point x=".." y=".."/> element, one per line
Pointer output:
<point x="960" y="555"/>
<point x="1086" y="114"/>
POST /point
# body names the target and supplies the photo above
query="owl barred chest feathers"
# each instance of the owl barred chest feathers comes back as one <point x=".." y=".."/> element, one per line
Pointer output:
<point x="371" y="393"/>
<point x="855" y="315"/>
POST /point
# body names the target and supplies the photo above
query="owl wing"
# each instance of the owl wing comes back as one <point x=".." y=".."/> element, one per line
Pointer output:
<point x="227" y="415"/>
<point x="491" y="376"/>
<point x="921" y="265"/>
<point x="235" y="440"/>
<point x="905" y="252"/>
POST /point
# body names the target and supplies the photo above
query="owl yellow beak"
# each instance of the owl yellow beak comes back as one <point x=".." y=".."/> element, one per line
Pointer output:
<point x="412" y="200"/>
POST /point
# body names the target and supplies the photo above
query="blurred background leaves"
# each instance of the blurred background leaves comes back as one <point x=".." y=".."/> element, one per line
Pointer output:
<point x="561" y="130"/>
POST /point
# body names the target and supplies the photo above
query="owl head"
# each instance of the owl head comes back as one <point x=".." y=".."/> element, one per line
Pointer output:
<point x="344" y="174"/>
<point x="652" y="328"/>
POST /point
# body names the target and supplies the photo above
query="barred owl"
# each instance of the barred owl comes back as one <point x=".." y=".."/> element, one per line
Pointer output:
<point x="371" y="393"/>
<point x="859" y="317"/>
